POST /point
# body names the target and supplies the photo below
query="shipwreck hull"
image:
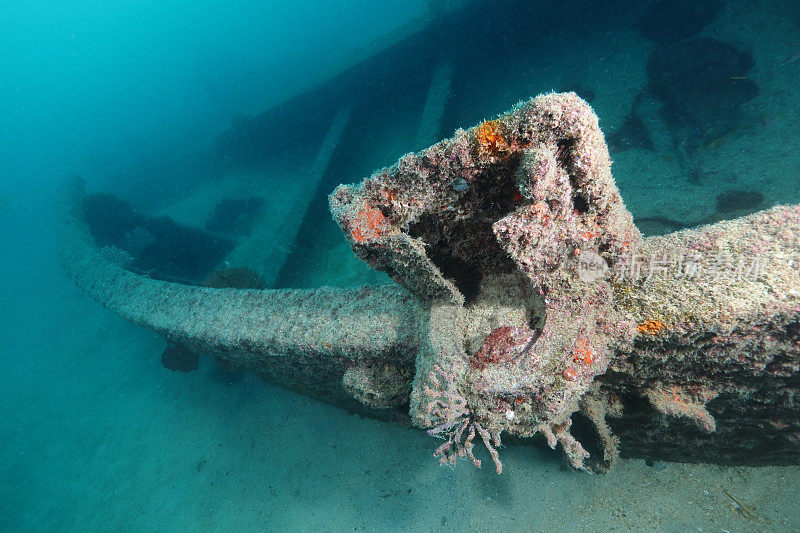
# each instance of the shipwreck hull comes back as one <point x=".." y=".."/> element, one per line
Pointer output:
<point x="306" y="340"/>
<point x="738" y="339"/>
<point x="673" y="365"/>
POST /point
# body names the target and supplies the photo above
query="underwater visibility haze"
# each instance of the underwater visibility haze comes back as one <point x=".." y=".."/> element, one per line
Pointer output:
<point x="421" y="266"/>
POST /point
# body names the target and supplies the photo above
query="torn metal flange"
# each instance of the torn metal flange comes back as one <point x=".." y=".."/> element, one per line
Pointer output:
<point x="529" y="192"/>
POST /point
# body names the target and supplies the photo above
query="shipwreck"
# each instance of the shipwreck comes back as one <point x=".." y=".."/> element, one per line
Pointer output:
<point x="526" y="304"/>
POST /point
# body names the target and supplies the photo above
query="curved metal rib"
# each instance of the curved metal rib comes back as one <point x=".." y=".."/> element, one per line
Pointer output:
<point x="303" y="339"/>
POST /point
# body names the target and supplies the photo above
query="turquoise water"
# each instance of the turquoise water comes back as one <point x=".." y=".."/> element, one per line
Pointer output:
<point x="174" y="106"/>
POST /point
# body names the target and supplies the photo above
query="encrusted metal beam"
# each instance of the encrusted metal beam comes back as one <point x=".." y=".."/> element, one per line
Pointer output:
<point x="329" y="343"/>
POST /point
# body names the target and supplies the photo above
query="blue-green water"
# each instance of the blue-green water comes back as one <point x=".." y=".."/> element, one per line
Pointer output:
<point x="175" y="105"/>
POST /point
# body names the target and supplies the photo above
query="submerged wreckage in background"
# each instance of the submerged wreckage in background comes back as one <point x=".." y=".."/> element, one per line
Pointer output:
<point x="527" y="303"/>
